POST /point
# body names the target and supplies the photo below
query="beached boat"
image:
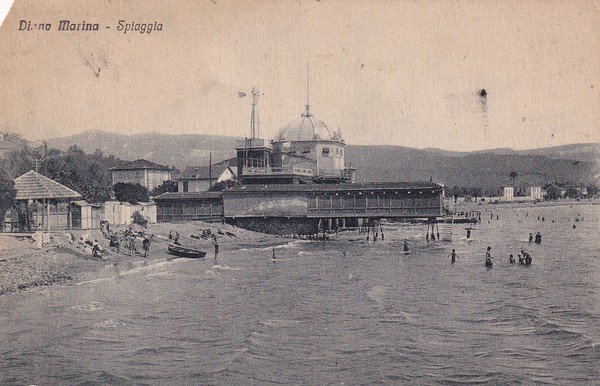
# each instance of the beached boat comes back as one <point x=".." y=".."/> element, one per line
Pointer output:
<point x="189" y="253"/>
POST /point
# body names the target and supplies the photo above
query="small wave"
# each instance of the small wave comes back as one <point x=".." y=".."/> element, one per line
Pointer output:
<point x="377" y="293"/>
<point x="160" y="350"/>
<point x="278" y="323"/>
<point x="109" y="324"/>
<point x="89" y="307"/>
<point x="131" y="271"/>
<point x="219" y="267"/>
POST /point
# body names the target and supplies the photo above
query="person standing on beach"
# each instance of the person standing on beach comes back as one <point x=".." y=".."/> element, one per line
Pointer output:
<point x="146" y="246"/>
<point x="531" y="237"/>
<point x="468" y="233"/>
<point x="216" y="244"/>
<point x="538" y="238"/>
<point x="406" y="248"/>
<point x="511" y="259"/>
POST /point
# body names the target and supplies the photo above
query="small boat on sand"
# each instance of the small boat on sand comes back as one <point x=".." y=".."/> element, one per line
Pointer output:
<point x="181" y="251"/>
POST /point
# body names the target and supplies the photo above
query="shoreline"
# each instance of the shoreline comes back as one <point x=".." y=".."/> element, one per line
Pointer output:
<point x="61" y="261"/>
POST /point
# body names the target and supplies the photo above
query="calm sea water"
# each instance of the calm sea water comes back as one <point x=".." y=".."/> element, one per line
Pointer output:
<point x="317" y="317"/>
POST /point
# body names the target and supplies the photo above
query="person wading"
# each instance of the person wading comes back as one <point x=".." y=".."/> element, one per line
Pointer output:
<point x="488" y="258"/>
<point x="453" y="256"/>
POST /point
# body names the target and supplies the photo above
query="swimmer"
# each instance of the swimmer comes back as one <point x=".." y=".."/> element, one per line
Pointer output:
<point x="488" y="258"/>
<point x="453" y="256"/>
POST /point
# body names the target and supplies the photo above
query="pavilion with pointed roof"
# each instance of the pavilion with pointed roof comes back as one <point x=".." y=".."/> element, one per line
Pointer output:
<point x="33" y="187"/>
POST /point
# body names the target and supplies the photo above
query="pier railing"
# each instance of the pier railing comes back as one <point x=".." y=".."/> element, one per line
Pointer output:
<point x="271" y="170"/>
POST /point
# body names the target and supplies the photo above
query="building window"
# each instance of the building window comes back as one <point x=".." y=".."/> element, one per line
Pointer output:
<point x="325" y="152"/>
<point x="185" y="186"/>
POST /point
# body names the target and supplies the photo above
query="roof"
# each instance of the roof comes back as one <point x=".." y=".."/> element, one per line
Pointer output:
<point x="176" y="196"/>
<point x="202" y="172"/>
<point x="227" y="162"/>
<point x="34" y="186"/>
<point x="307" y="128"/>
<point x="334" y="187"/>
<point x="140" y="164"/>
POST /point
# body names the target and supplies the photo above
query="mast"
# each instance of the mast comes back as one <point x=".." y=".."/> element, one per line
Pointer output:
<point x="254" y="121"/>
<point x="307" y="113"/>
<point x="210" y="169"/>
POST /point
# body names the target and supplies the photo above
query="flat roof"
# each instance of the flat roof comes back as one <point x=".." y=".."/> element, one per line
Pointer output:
<point x="333" y="187"/>
<point x="176" y="196"/>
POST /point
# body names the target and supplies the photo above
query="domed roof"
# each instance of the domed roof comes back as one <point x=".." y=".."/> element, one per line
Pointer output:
<point x="307" y="128"/>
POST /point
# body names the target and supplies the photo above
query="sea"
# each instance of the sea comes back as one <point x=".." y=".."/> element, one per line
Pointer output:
<point x="317" y="315"/>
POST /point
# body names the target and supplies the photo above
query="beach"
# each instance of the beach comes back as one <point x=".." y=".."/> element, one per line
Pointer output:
<point x="23" y="266"/>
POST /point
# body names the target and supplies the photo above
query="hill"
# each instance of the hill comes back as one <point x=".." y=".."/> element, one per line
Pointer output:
<point x="491" y="168"/>
<point x="169" y="150"/>
<point x="10" y="142"/>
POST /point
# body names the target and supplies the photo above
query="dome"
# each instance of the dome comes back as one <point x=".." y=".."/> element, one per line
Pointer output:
<point x="307" y="128"/>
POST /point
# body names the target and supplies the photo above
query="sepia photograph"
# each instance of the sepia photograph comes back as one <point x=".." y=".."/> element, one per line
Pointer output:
<point x="299" y="192"/>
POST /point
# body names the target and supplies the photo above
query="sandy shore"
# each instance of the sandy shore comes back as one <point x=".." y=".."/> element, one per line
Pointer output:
<point x="23" y="266"/>
<point x="466" y="206"/>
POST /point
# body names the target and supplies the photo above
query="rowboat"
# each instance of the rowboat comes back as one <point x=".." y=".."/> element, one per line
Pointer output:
<point x="189" y="253"/>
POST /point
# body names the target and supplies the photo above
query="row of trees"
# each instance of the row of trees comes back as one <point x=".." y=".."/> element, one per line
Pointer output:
<point x="88" y="174"/>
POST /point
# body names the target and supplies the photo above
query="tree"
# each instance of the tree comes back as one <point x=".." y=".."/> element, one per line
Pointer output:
<point x="513" y="176"/>
<point x="222" y="185"/>
<point x="572" y="193"/>
<point x="132" y="193"/>
<point x="166" y="187"/>
<point x="139" y="219"/>
<point x="88" y="174"/>
<point x="7" y="195"/>
<point x="552" y="192"/>
<point x="592" y="190"/>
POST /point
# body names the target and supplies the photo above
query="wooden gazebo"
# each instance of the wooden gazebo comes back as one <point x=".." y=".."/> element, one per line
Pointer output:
<point x="33" y="186"/>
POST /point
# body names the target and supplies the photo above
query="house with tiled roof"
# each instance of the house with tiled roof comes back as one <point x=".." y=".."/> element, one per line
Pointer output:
<point x="143" y="172"/>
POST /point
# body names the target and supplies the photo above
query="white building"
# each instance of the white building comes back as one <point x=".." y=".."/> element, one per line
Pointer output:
<point x="201" y="178"/>
<point x="142" y="172"/>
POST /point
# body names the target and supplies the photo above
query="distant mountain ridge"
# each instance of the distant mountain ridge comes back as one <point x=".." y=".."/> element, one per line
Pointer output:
<point x="576" y="163"/>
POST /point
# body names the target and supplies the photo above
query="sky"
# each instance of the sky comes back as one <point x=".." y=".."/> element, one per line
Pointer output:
<point x="408" y="73"/>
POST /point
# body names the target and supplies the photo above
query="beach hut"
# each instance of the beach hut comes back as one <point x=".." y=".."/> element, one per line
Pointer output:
<point x="34" y="188"/>
<point x="85" y="215"/>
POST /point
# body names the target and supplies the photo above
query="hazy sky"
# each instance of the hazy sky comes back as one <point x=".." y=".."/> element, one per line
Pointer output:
<point x="399" y="72"/>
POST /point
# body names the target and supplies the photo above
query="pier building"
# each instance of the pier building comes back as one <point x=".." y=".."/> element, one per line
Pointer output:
<point x="298" y="183"/>
<point x="305" y="209"/>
